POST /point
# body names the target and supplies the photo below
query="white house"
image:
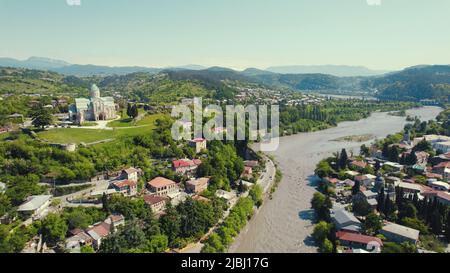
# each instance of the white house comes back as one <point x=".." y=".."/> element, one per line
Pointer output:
<point x="37" y="206"/>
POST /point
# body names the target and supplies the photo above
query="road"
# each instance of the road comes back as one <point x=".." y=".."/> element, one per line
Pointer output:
<point x="265" y="181"/>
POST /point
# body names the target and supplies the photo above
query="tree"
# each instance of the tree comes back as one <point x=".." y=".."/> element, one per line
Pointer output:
<point x="408" y="210"/>
<point x="327" y="246"/>
<point x="53" y="229"/>
<point x="343" y="159"/>
<point x="87" y="249"/>
<point x="321" y="231"/>
<point x="112" y="244"/>
<point x="318" y="201"/>
<point x="157" y="244"/>
<point x="5" y="204"/>
<point x="372" y="224"/>
<point x="105" y="204"/>
<point x="256" y="194"/>
<point x="41" y="117"/>
<point x="394" y="154"/>
<point x="356" y="188"/>
<point x="447" y="228"/>
<point x="171" y="223"/>
<point x="323" y="169"/>
<point x="364" y="150"/>
<point x="134" y="112"/>
<point x="381" y="200"/>
<point x="213" y="245"/>
<point x="129" y="109"/>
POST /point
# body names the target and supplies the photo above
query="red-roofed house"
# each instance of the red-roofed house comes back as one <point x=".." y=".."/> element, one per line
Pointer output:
<point x="441" y="197"/>
<point x="358" y="165"/>
<point x="162" y="186"/>
<point x="356" y="240"/>
<point x="98" y="232"/>
<point x="184" y="166"/>
<point x="443" y="169"/>
<point x="127" y="187"/>
<point x="247" y="173"/>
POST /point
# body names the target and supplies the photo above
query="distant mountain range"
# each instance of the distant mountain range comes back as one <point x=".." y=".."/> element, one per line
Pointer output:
<point x="335" y="70"/>
<point x="66" y="68"/>
<point x="413" y="83"/>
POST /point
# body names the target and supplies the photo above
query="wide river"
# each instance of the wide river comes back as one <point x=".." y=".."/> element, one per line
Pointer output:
<point x="283" y="224"/>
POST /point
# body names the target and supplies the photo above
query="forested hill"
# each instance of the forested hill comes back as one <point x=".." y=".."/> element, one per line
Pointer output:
<point x="29" y="81"/>
<point x="415" y="83"/>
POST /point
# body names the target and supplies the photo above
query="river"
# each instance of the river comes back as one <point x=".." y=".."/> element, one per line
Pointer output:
<point x="283" y="224"/>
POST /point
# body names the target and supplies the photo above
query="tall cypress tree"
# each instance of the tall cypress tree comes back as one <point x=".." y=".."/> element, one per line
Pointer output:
<point x="343" y="159"/>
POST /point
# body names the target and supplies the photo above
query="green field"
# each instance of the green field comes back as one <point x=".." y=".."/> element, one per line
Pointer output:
<point x="129" y="122"/>
<point x="77" y="135"/>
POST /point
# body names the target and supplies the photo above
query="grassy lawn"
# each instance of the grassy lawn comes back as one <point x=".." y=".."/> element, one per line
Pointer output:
<point x="124" y="122"/>
<point x="129" y="122"/>
<point x="77" y="135"/>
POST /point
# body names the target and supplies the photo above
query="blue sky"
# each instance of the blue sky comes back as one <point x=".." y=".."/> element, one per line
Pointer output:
<point x="232" y="33"/>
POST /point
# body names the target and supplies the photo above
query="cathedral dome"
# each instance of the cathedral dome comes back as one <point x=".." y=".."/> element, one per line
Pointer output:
<point x="95" y="91"/>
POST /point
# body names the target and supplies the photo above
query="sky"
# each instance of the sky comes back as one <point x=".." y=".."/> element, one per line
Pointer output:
<point x="379" y="34"/>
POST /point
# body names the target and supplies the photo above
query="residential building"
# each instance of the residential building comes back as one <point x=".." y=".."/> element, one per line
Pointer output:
<point x="229" y="196"/>
<point x="197" y="185"/>
<point x="247" y="173"/>
<point x="355" y="240"/>
<point x="399" y="234"/>
<point x="251" y="163"/>
<point x="443" y="169"/>
<point x="131" y="174"/>
<point x="364" y="180"/>
<point x="440" y="186"/>
<point x="185" y="166"/>
<point x="199" y="144"/>
<point x="358" y="165"/>
<point x="161" y="186"/>
<point x="394" y="166"/>
<point x="115" y="221"/>
<point x="98" y="232"/>
<point x="345" y="220"/>
<point x="409" y="187"/>
<point x="79" y="239"/>
<point x="442" y="197"/>
<point x="36" y="206"/>
<point x="156" y="203"/>
<point x="126" y="187"/>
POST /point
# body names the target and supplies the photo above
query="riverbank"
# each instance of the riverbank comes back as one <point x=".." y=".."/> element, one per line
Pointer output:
<point x="283" y="224"/>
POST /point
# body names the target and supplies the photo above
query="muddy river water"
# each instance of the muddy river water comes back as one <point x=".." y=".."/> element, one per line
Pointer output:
<point x="283" y="224"/>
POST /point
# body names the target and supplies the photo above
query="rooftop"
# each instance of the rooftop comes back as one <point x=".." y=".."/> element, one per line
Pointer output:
<point x="125" y="183"/>
<point x="186" y="163"/>
<point x="342" y="216"/>
<point x="402" y="230"/>
<point x="200" y="181"/>
<point x="153" y="199"/>
<point x="130" y="170"/>
<point x="159" y="182"/>
<point x="358" y="238"/>
<point x="34" y="202"/>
